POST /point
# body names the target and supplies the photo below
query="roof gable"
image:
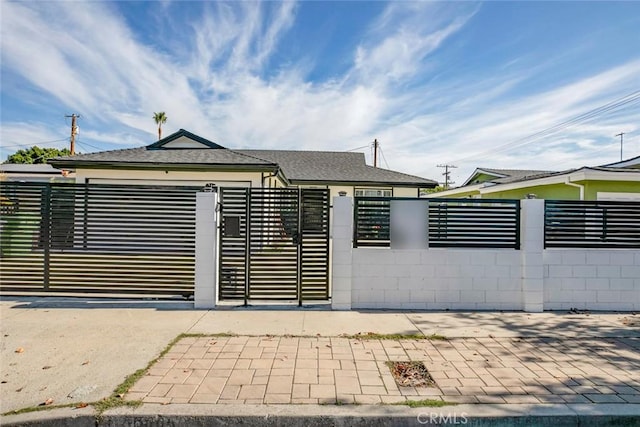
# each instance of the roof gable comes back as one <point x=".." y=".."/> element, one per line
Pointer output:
<point x="183" y="139"/>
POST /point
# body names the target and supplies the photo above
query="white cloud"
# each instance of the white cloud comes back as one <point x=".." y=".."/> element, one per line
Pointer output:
<point x="211" y="81"/>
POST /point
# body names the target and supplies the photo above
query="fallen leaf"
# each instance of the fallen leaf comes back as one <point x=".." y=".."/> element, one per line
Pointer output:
<point x="328" y="346"/>
<point x="47" y="402"/>
<point x="3" y="382"/>
<point x="19" y="390"/>
<point x="47" y="367"/>
<point x="86" y="362"/>
<point x="81" y="405"/>
<point x="19" y="350"/>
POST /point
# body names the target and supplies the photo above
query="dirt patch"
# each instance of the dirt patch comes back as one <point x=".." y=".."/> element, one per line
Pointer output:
<point x="411" y="374"/>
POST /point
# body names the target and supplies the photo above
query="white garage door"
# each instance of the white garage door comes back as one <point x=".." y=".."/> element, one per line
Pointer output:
<point x="619" y="196"/>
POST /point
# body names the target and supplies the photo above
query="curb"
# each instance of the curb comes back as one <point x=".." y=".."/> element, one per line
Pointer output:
<point x="318" y="415"/>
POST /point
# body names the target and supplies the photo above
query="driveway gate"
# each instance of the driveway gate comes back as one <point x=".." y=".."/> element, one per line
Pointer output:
<point x="274" y="244"/>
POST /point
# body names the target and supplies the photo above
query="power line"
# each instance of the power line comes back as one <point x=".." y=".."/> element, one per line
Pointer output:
<point x="447" y="172"/>
<point x="633" y="97"/>
<point x="383" y="158"/>
<point x="359" y="148"/>
<point x="35" y="143"/>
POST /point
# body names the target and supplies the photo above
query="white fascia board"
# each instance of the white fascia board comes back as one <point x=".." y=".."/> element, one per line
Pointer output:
<point x="454" y="192"/>
<point x="579" y="175"/>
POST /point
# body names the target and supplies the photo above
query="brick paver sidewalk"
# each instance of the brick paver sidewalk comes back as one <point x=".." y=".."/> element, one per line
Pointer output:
<point x="298" y="370"/>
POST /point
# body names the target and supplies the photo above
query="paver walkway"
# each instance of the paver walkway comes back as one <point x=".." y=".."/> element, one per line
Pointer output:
<point x="299" y="370"/>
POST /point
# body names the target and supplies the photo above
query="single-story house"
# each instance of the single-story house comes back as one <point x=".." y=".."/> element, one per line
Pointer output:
<point x="40" y="172"/>
<point x="615" y="181"/>
<point x="183" y="158"/>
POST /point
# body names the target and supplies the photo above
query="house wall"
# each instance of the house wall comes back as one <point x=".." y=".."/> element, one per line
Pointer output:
<point x="169" y="177"/>
<point x="551" y="192"/>
<point x="591" y="188"/>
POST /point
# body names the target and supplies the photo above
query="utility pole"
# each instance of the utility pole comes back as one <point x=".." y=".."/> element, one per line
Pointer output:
<point x="621" y="135"/>
<point x="446" y="173"/>
<point x="375" y="153"/>
<point x="74" y="132"/>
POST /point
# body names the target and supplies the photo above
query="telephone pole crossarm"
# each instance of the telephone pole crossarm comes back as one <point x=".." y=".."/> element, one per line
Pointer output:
<point x="447" y="172"/>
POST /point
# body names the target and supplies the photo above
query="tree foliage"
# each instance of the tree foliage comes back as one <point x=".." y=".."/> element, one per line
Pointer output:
<point x="36" y="155"/>
<point x="437" y="189"/>
<point x="160" y="119"/>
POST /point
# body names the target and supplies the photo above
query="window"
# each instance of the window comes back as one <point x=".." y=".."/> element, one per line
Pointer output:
<point x="373" y="192"/>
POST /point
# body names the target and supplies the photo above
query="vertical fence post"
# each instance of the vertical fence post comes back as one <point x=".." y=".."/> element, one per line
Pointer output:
<point x="206" y="250"/>
<point x="342" y="235"/>
<point x="46" y="235"/>
<point x="532" y="247"/>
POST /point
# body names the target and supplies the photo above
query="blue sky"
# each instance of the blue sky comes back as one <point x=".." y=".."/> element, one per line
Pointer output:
<point x="471" y="84"/>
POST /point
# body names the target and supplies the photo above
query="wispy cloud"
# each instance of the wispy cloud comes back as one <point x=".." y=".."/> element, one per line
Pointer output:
<point x="215" y="78"/>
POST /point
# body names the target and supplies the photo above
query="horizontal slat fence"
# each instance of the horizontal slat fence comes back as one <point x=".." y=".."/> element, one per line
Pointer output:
<point x="592" y="224"/>
<point x="477" y="223"/>
<point x="95" y="238"/>
<point x="464" y="223"/>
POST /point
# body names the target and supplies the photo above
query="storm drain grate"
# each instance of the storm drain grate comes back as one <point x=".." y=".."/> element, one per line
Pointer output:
<point x="411" y="374"/>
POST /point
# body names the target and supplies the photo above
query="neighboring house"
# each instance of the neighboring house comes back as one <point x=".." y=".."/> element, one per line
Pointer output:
<point x="33" y="173"/>
<point x="187" y="159"/>
<point x="615" y="181"/>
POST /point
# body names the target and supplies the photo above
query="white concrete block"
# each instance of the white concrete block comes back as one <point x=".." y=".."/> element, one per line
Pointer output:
<point x="485" y="283"/>
<point x="585" y="271"/>
<point x="413" y="306"/>
<point x="472" y="296"/>
<point x="609" y="271"/>
<point x="598" y="258"/>
<point x="594" y="283"/>
<point x="574" y="257"/>
<point x="632" y="271"/>
<point x="407" y="257"/>
<point x="623" y="285"/>
<point x="498" y="271"/>
<point x="573" y="283"/>
<point x="623" y="257"/>
<point x="458" y="256"/>
<point x="511" y="257"/>
<point x="433" y="257"/>
<point x="609" y="296"/>
<point x="484" y="258"/>
<point x="447" y="296"/>
<point x="423" y="295"/>
<point x="560" y="271"/>
<point x="397" y="296"/>
<point x="509" y="284"/>
<point x="421" y="271"/>
<point x="397" y="271"/>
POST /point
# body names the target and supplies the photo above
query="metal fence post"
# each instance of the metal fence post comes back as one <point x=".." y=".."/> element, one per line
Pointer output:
<point x="46" y="235"/>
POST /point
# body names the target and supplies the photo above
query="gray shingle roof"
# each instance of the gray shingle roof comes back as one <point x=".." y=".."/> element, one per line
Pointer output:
<point x="509" y="175"/>
<point x="208" y="157"/>
<point x="333" y="166"/>
<point x="297" y="166"/>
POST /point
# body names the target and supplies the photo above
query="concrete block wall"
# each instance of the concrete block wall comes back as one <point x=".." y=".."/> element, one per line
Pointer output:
<point x="436" y="279"/>
<point x="592" y="279"/>
<point x="530" y="279"/>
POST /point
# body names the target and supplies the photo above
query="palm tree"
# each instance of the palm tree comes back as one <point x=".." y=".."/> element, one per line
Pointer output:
<point x="160" y="118"/>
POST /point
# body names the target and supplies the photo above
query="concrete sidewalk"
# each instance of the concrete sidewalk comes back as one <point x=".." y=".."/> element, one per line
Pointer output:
<point x="76" y="351"/>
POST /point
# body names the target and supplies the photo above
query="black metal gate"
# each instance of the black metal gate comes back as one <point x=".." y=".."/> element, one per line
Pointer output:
<point x="274" y="244"/>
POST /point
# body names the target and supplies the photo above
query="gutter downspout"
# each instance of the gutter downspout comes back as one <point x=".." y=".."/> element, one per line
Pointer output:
<point x="573" y="184"/>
